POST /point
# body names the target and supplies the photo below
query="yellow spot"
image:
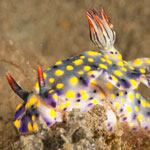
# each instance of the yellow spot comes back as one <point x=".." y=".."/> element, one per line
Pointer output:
<point x="121" y="93"/>
<point x="113" y="56"/>
<point x="18" y="106"/>
<point x="78" y="104"/>
<point x="37" y="85"/>
<point x="82" y="92"/>
<point x="128" y="108"/>
<point x="35" y="127"/>
<point x="103" y="66"/>
<point x="59" y="85"/>
<point x="68" y="104"/>
<point x="137" y="95"/>
<point x="122" y="101"/>
<point x="118" y="73"/>
<point x="86" y="68"/>
<point x="102" y="96"/>
<point x="137" y="62"/>
<point x="103" y="59"/>
<point x="61" y="106"/>
<point x="124" y="69"/>
<point x="119" y="57"/>
<point x="109" y="62"/>
<point x="51" y="91"/>
<point x="48" y="69"/>
<point x="78" y="62"/>
<point x="69" y="67"/>
<point x="27" y="105"/>
<point x="29" y="126"/>
<point x="131" y="124"/>
<point x="59" y="72"/>
<point x="82" y="57"/>
<point x="38" y="104"/>
<point x="136" y="108"/>
<point x="55" y="96"/>
<point x="44" y="75"/>
<point x="95" y="101"/>
<point x="51" y="80"/>
<point x="32" y="100"/>
<point x="105" y="48"/>
<point x="90" y="59"/>
<point x="130" y="67"/>
<point x="93" y="82"/>
<point x="33" y="118"/>
<point x="109" y="86"/>
<point x="70" y="94"/>
<point x="106" y="56"/>
<point x="143" y="103"/>
<point x="117" y="106"/>
<point x="114" y="78"/>
<point x="120" y="63"/>
<point x="142" y="70"/>
<point x="125" y="62"/>
<point x="121" y="88"/>
<point x="52" y="113"/>
<point x="92" y="53"/>
<point x="17" y="123"/>
<point x="140" y="117"/>
<point x="148" y="105"/>
<point x="80" y="72"/>
<point x="131" y="96"/>
<point x="73" y="80"/>
<point x="58" y="62"/>
<point x="133" y="82"/>
<point x="90" y="72"/>
<point x="84" y="97"/>
<point x="112" y="96"/>
<point x="148" y="61"/>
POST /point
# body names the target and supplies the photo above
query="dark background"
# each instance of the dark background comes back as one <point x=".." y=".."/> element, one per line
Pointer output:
<point x="40" y="32"/>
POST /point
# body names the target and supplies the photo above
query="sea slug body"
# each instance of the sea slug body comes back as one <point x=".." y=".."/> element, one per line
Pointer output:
<point x="83" y="81"/>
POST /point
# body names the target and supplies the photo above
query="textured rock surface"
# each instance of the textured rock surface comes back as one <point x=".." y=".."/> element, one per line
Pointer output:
<point x="83" y="131"/>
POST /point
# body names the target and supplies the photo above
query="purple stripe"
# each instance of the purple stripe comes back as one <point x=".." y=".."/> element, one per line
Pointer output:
<point x="125" y="83"/>
<point x="19" y="111"/>
<point x="90" y="104"/>
<point x="24" y="123"/>
<point x="48" y="122"/>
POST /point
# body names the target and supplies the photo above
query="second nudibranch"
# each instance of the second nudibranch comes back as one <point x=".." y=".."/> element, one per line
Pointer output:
<point x="86" y="80"/>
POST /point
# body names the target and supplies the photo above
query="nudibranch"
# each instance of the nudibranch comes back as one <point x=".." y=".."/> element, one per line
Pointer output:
<point x="93" y="77"/>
